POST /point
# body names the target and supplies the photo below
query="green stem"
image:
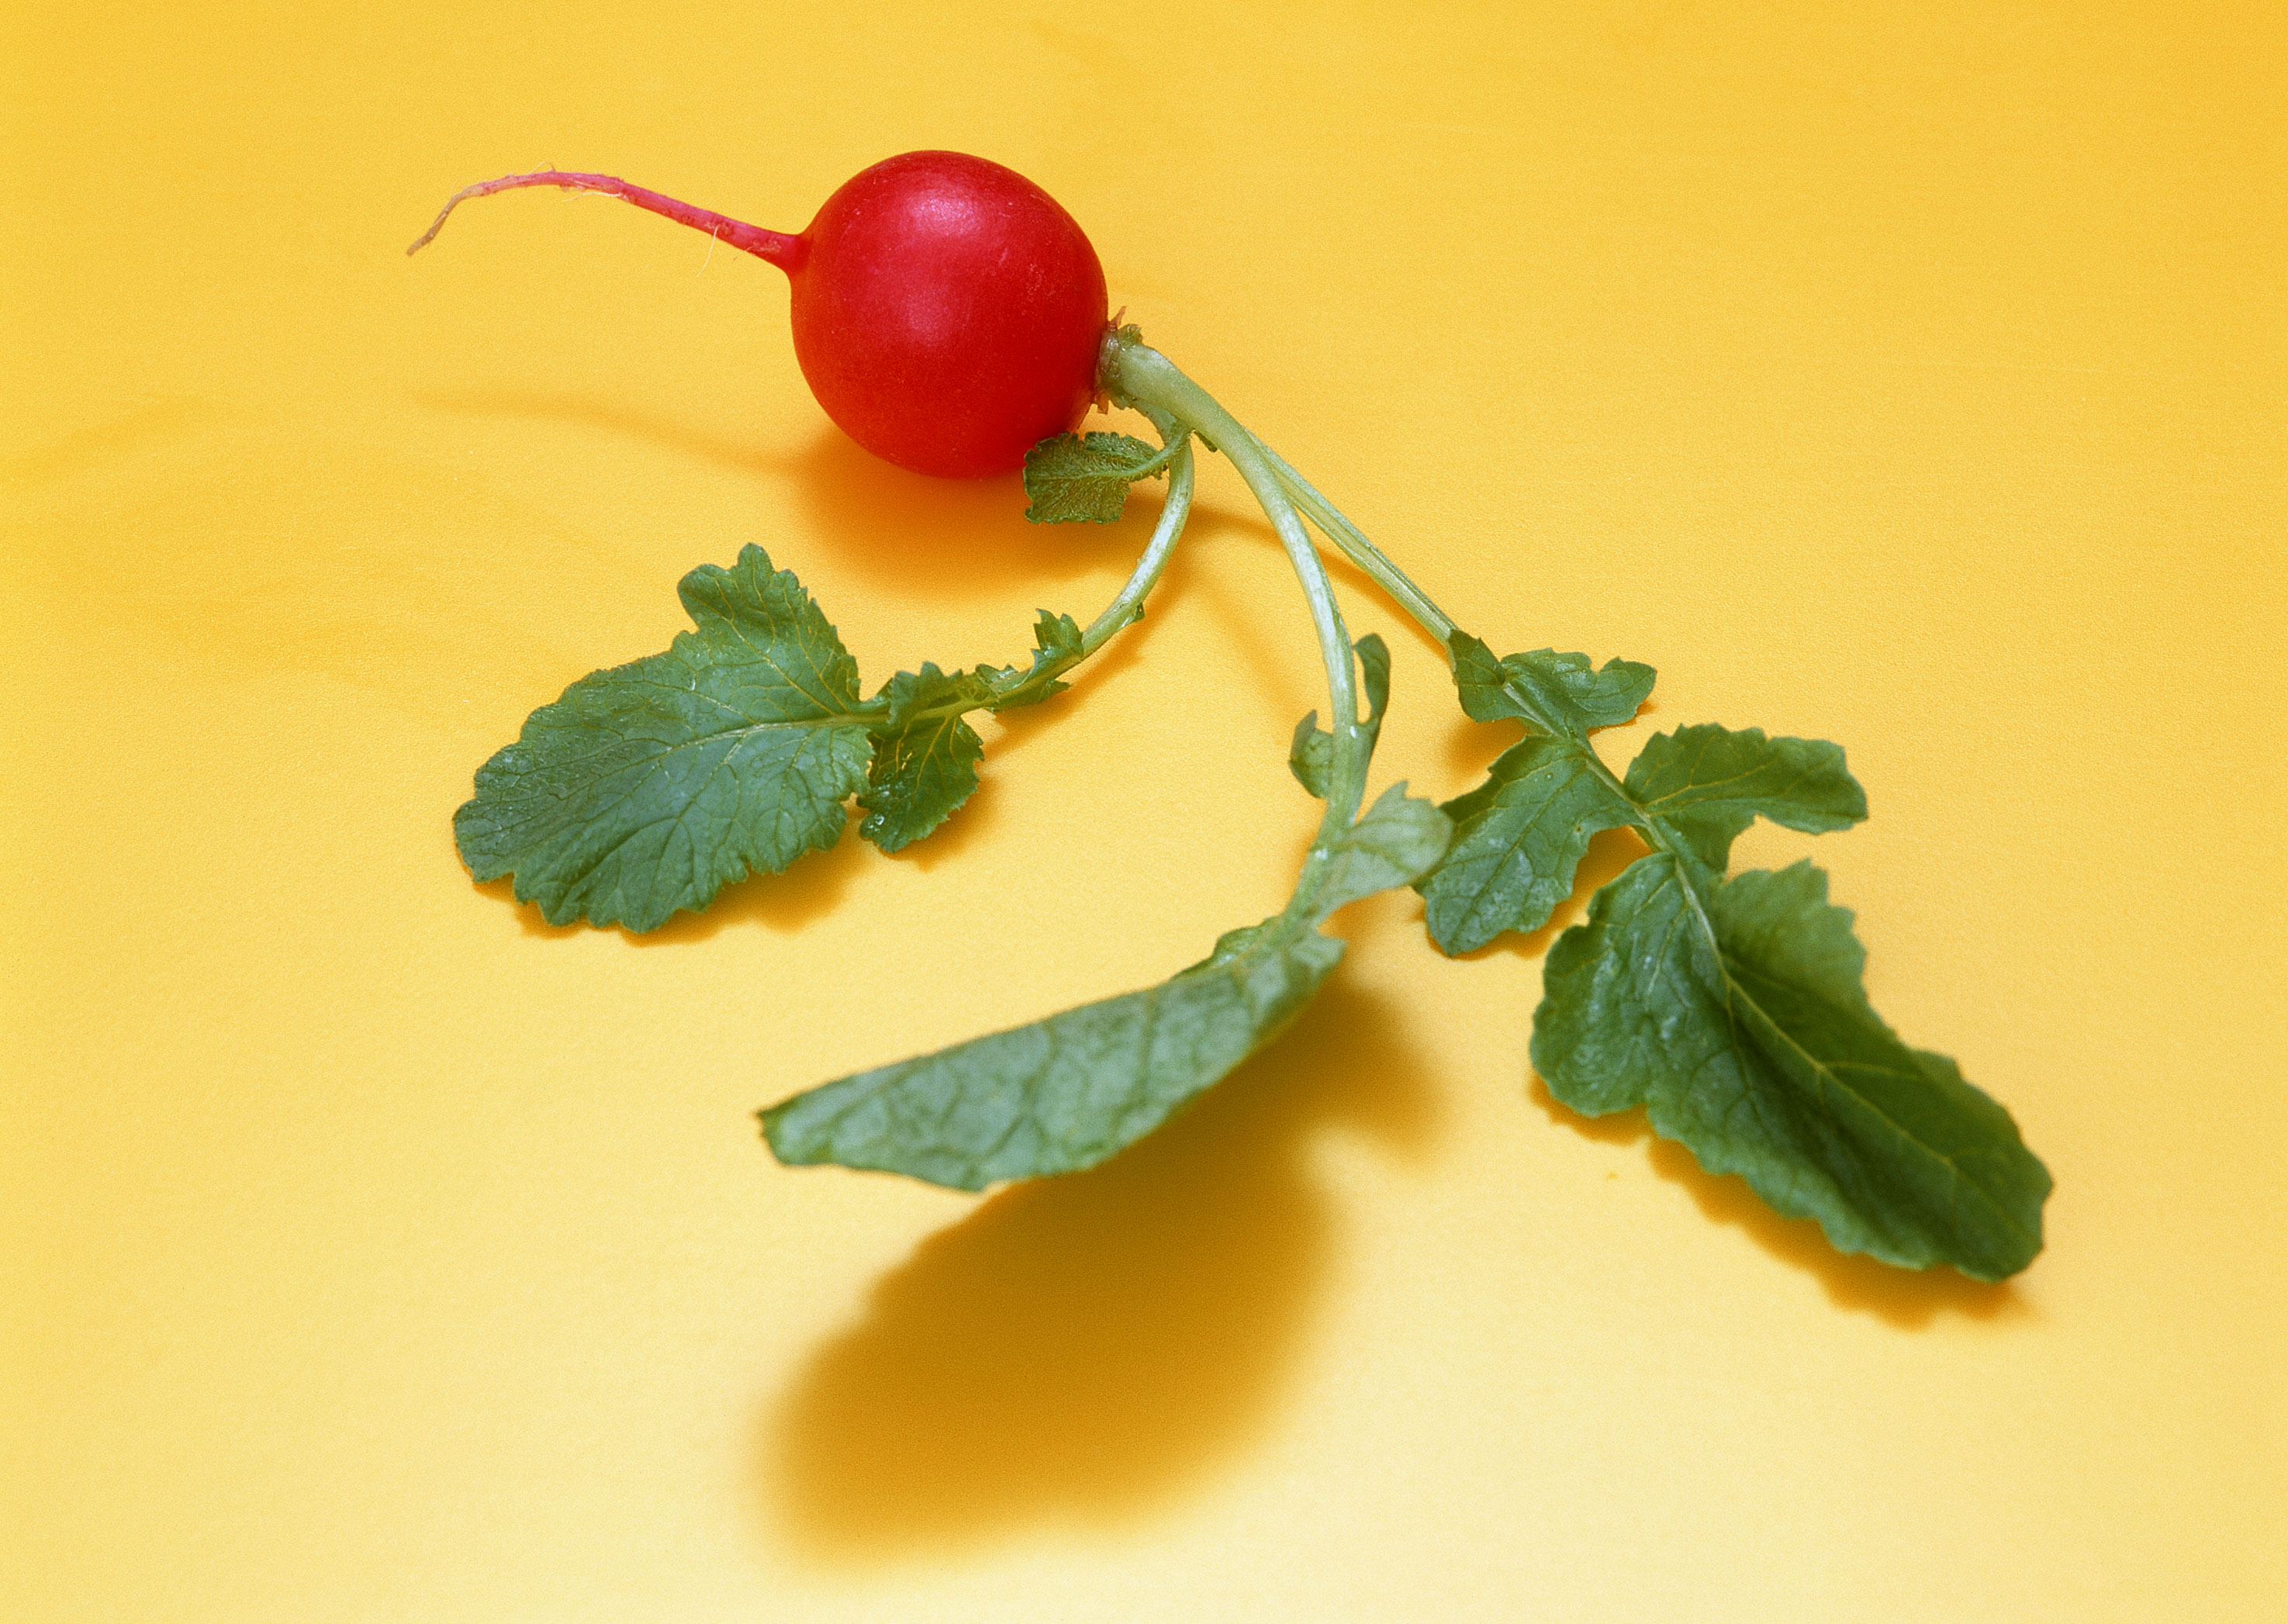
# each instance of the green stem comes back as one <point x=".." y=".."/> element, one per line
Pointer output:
<point x="1136" y="375"/>
<point x="1439" y="624"/>
<point x="1362" y="552"/>
<point x="1176" y="451"/>
<point x="1139" y="375"/>
<point x="1127" y="605"/>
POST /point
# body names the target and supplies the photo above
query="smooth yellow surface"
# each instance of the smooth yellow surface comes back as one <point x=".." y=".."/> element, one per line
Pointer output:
<point x="1910" y="376"/>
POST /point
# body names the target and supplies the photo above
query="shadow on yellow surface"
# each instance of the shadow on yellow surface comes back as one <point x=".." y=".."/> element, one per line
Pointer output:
<point x="922" y="536"/>
<point x="1080" y="1349"/>
<point x="1907" y="1298"/>
<point x="948" y="539"/>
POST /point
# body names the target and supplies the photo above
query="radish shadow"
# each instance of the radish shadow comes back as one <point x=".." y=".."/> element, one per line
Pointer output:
<point x="1079" y="1350"/>
<point x="913" y="535"/>
<point x="932" y="540"/>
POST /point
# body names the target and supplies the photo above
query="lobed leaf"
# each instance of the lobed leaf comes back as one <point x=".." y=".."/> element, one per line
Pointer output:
<point x="649" y="787"/>
<point x="919" y="777"/>
<point x="1519" y="836"/>
<point x="1518" y="839"/>
<point x="1057" y="643"/>
<point x="926" y="756"/>
<point x="1560" y="694"/>
<point x="1737" y="1015"/>
<point x="1708" y="784"/>
<point x="1394" y="843"/>
<point x="1084" y="479"/>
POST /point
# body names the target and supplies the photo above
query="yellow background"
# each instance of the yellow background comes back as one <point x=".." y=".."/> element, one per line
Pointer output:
<point x="1908" y="376"/>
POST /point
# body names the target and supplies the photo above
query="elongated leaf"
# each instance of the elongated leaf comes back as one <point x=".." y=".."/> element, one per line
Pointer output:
<point x="651" y="787"/>
<point x="1737" y="1015"/>
<point x="1077" y="479"/>
<point x="1065" y="1093"/>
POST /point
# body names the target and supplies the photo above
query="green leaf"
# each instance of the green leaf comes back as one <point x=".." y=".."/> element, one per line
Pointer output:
<point x="909" y="693"/>
<point x="1518" y="839"/>
<point x="1311" y="755"/>
<point x="1519" y="836"/>
<point x="920" y="775"/>
<point x="1067" y="1092"/>
<point x="1735" y="1014"/>
<point x="1397" y="840"/>
<point x="1708" y="784"/>
<point x="1560" y="694"/>
<point x="1057" y="645"/>
<point x="651" y="787"/>
<point x="925" y="756"/>
<point x="1075" y="479"/>
<point x="1374" y="680"/>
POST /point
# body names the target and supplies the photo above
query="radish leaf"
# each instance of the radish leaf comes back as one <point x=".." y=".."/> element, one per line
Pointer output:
<point x="1311" y="756"/>
<point x="1708" y="784"/>
<point x="925" y="756"/>
<point x="1736" y="1013"/>
<point x="1732" y="1008"/>
<point x="1560" y="695"/>
<point x="1084" y="479"/>
<point x="651" y="787"/>
<point x="1067" y="1092"/>
<point x="1057" y="646"/>
<point x="1518" y="839"/>
<point x="1519" y="836"/>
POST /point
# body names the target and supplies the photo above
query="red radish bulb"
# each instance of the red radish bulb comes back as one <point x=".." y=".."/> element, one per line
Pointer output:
<point x="946" y="312"/>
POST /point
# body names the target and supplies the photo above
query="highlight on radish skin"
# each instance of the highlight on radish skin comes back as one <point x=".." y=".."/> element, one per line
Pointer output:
<point x="946" y="312"/>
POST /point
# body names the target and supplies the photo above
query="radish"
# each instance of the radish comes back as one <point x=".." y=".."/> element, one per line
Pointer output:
<point x="951" y="317"/>
<point x="946" y="312"/>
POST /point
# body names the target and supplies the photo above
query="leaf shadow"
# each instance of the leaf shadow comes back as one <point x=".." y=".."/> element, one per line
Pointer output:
<point x="1084" y="1350"/>
<point x="1907" y="1298"/>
